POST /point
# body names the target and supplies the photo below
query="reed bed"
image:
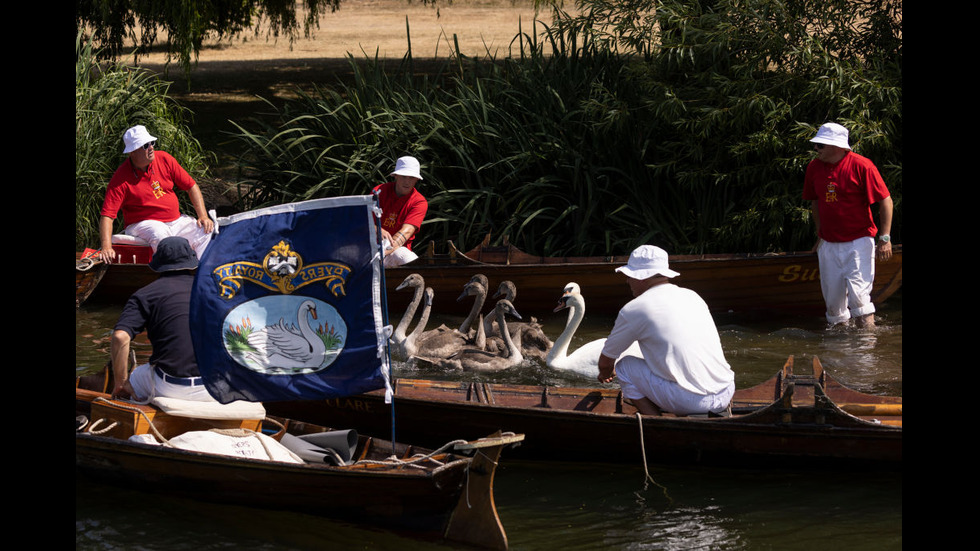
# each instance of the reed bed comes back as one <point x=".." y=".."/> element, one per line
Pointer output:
<point x="681" y="126"/>
<point x="670" y="122"/>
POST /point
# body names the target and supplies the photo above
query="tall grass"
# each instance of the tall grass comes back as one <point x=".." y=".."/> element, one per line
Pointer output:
<point x="680" y="126"/>
<point x="108" y="100"/>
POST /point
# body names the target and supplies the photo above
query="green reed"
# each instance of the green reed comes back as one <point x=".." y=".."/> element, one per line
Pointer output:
<point x="677" y="126"/>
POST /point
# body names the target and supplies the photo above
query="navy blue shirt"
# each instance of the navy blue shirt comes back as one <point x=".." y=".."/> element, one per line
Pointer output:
<point x="162" y="310"/>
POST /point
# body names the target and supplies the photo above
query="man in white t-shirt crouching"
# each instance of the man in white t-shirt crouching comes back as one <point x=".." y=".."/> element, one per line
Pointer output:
<point x="683" y="369"/>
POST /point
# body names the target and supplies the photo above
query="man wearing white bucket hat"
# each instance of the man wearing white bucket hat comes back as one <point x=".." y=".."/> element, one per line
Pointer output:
<point x="841" y="187"/>
<point x="683" y="369"/>
<point x="403" y="209"/>
<point x="144" y="188"/>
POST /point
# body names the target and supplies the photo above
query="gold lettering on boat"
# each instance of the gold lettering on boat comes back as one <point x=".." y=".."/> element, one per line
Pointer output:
<point x="797" y="272"/>
<point x="348" y="403"/>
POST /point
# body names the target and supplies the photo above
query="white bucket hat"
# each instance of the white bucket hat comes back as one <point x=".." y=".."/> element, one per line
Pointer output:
<point x="647" y="261"/>
<point x="832" y="134"/>
<point x="135" y="137"/>
<point x="407" y="166"/>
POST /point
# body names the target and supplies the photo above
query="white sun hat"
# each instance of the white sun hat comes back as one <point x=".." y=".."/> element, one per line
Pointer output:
<point x="832" y="134"/>
<point x="407" y="166"/>
<point x="647" y="261"/>
<point x="135" y="137"/>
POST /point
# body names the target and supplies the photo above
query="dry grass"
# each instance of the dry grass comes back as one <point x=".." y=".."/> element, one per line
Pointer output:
<point x="371" y="26"/>
<point x="231" y="75"/>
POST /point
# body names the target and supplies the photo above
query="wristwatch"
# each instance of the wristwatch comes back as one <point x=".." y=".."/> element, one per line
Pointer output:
<point x="884" y="238"/>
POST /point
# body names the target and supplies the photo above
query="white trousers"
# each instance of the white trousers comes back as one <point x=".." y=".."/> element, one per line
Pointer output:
<point x="153" y="231"/>
<point x="399" y="256"/>
<point x="847" y="274"/>
<point x="637" y="381"/>
<point x="148" y="384"/>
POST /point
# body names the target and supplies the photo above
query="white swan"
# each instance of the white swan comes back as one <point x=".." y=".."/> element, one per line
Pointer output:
<point x="585" y="359"/>
<point x="285" y="346"/>
<point x="471" y="358"/>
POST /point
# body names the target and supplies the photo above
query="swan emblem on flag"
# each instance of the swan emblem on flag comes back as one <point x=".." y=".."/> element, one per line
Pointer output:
<point x="284" y="334"/>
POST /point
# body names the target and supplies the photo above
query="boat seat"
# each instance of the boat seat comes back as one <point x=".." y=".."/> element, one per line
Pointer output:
<point x="123" y="239"/>
<point x="238" y="409"/>
<point x="131" y="250"/>
<point x="124" y="419"/>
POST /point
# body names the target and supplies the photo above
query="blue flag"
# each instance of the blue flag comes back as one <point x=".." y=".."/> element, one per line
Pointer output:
<point x="286" y="303"/>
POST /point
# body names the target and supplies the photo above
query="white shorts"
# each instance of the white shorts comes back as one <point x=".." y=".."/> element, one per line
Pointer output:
<point x="148" y="383"/>
<point x="847" y="274"/>
<point x="637" y="381"/>
<point x="154" y="231"/>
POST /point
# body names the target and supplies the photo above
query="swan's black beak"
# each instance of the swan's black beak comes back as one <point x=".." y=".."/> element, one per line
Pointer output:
<point x="562" y="303"/>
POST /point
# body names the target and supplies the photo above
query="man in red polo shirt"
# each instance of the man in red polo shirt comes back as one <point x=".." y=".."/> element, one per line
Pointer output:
<point x="403" y="210"/>
<point x="144" y="188"/>
<point x="841" y="186"/>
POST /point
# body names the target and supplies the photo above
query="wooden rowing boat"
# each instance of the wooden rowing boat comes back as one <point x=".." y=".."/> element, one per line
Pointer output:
<point x="729" y="283"/>
<point x="791" y="419"/>
<point x="89" y="272"/>
<point x="443" y="494"/>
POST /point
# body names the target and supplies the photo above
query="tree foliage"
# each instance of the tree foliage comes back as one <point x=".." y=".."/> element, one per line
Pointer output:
<point x="183" y="25"/>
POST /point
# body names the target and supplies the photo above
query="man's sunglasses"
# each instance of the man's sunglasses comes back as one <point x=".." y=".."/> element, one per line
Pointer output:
<point x="148" y="145"/>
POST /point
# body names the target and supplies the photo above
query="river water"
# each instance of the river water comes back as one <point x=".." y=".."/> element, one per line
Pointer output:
<point x="577" y="506"/>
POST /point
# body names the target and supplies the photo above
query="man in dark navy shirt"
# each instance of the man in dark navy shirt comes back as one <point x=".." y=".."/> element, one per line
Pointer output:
<point x="162" y="310"/>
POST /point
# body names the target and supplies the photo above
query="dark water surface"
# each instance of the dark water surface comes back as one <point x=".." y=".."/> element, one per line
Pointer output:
<point x="567" y="506"/>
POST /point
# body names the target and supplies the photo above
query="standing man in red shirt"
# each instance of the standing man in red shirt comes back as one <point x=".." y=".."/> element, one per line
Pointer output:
<point x="841" y="187"/>
<point x="144" y="187"/>
<point x="403" y="209"/>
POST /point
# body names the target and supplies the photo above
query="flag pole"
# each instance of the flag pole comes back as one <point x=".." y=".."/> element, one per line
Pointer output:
<point x="386" y="364"/>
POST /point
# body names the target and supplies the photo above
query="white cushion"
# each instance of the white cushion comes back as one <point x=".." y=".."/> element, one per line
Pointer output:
<point x="123" y="239"/>
<point x="238" y="409"/>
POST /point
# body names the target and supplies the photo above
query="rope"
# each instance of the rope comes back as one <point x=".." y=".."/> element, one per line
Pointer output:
<point x="137" y="410"/>
<point x="413" y="461"/>
<point x="646" y="470"/>
<point x="98" y="422"/>
<point x="86" y="264"/>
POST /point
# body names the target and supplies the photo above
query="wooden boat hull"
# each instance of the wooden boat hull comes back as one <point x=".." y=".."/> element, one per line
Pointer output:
<point x="731" y="283"/>
<point x="736" y="283"/>
<point x="449" y="498"/>
<point x="788" y="420"/>
<point x="88" y="275"/>
<point x="411" y="503"/>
